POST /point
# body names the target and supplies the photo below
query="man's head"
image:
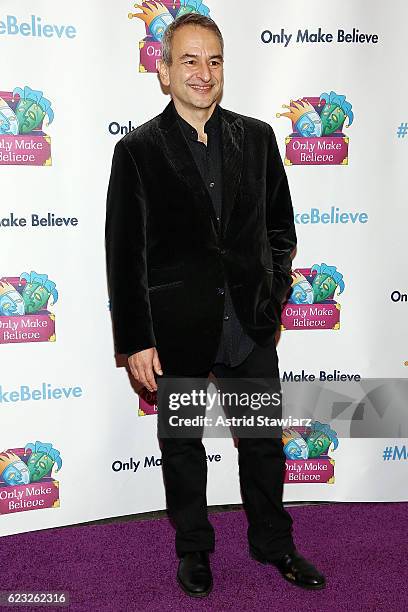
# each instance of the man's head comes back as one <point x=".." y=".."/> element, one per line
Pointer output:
<point x="192" y="61"/>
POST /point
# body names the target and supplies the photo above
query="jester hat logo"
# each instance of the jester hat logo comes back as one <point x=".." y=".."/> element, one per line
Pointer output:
<point x="313" y="443"/>
<point x="312" y="303"/>
<point x="24" y="303"/>
<point x="39" y="463"/>
<point x="317" y="130"/>
<point x="36" y="463"/>
<point x="322" y="286"/>
<point x="157" y="16"/>
<point x="307" y="453"/>
<point x="32" y="297"/>
<point x="24" y="113"/>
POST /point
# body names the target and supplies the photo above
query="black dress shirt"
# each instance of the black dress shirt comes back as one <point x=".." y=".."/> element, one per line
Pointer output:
<point x="235" y="345"/>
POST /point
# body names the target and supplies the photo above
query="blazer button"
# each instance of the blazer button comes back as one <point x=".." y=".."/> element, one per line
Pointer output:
<point x="226" y="317"/>
<point x="223" y="251"/>
<point x="220" y="291"/>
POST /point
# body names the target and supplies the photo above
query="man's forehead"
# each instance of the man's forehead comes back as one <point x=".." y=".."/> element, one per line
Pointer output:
<point x="196" y="40"/>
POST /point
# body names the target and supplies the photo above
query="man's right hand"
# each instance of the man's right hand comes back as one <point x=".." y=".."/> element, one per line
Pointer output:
<point x="143" y="365"/>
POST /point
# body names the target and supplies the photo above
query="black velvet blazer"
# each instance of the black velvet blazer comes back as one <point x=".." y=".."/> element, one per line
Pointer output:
<point x="166" y="262"/>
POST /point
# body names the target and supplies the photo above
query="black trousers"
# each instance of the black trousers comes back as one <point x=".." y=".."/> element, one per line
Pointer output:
<point x="261" y="472"/>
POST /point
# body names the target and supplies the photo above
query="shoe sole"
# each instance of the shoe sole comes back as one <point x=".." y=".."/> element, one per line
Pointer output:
<point x="310" y="587"/>
<point x="196" y="595"/>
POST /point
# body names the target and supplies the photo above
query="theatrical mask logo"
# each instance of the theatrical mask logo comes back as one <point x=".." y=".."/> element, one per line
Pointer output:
<point x="306" y="450"/>
<point x="312" y="303"/>
<point x="23" y="115"/>
<point x="317" y="136"/>
<point x="24" y="303"/>
<point x="26" y="481"/>
<point x="157" y="16"/>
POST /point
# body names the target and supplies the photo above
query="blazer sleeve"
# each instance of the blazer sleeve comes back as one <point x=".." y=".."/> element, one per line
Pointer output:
<point x="125" y="243"/>
<point x="280" y="222"/>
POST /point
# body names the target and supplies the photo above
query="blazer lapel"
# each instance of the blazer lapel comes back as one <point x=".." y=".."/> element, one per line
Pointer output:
<point x="178" y="153"/>
<point x="232" y="130"/>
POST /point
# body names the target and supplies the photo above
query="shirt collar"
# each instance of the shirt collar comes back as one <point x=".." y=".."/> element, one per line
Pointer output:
<point x="211" y="126"/>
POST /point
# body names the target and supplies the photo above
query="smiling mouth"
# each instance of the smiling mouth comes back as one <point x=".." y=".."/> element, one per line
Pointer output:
<point x="201" y="88"/>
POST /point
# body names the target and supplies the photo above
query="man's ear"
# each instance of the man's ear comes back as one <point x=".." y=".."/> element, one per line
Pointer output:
<point x="164" y="73"/>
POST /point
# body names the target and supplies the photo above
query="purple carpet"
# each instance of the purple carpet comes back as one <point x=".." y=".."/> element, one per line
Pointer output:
<point x="130" y="566"/>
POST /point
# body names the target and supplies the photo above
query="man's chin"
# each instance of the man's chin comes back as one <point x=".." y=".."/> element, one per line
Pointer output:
<point x="203" y="104"/>
<point x="204" y="101"/>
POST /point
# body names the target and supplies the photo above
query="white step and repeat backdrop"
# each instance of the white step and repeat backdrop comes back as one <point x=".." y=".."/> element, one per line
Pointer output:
<point x="75" y="442"/>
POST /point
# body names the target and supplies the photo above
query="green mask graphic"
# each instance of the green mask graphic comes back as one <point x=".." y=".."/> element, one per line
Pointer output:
<point x="334" y="113"/>
<point x="320" y="438"/>
<point x="39" y="464"/>
<point x="31" y="109"/>
<point x="332" y="118"/>
<point x="325" y="282"/>
<point x="29" y="116"/>
<point x="37" y="291"/>
<point x="42" y="459"/>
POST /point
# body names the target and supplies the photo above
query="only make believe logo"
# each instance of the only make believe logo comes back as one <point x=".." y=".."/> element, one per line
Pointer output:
<point x="312" y="303"/>
<point x="22" y="140"/>
<point x="11" y="25"/>
<point x="23" y="308"/>
<point x="157" y="16"/>
<point x="317" y="136"/>
<point x="306" y="450"/>
<point x="147" y="402"/>
<point x="26" y="481"/>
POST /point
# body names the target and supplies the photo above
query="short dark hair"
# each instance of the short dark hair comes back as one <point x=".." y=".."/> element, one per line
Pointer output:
<point x="195" y="19"/>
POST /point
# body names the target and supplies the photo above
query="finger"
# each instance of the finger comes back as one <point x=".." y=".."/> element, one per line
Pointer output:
<point x="132" y="365"/>
<point x="143" y="380"/>
<point x="157" y="365"/>
<point x="142" y="371"/>
<point x="134" y="370"/>
<point x="151" y="382"/>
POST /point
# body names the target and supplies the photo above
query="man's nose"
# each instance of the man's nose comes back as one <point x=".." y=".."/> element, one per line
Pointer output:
<point x="204" y="72"/>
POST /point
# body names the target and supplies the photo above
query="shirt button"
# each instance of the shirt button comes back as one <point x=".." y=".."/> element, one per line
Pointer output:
<point x="226" y="317"/>
<point x="220" y="290"/>
<point x="212" y="184"/>
<point x="218" y="218"/>
<point x="223" y="251"/>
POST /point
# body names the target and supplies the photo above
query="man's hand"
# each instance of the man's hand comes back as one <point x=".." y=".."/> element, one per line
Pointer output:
<point x="143" y="365"/>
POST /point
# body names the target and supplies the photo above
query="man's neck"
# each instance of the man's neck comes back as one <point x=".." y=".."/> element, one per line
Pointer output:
<point x="197" y="117"/>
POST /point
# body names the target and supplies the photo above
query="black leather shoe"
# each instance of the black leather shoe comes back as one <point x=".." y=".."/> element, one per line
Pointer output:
<point x="194" y="574"/>
<point x="297" y="570"/>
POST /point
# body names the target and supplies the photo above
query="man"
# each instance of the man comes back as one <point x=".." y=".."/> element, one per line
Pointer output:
<point x="199" y="236"/>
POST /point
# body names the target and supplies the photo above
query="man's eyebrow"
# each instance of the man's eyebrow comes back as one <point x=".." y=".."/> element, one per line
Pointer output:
<point x="194" y="55"/>
<point x="185" y="55"/>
